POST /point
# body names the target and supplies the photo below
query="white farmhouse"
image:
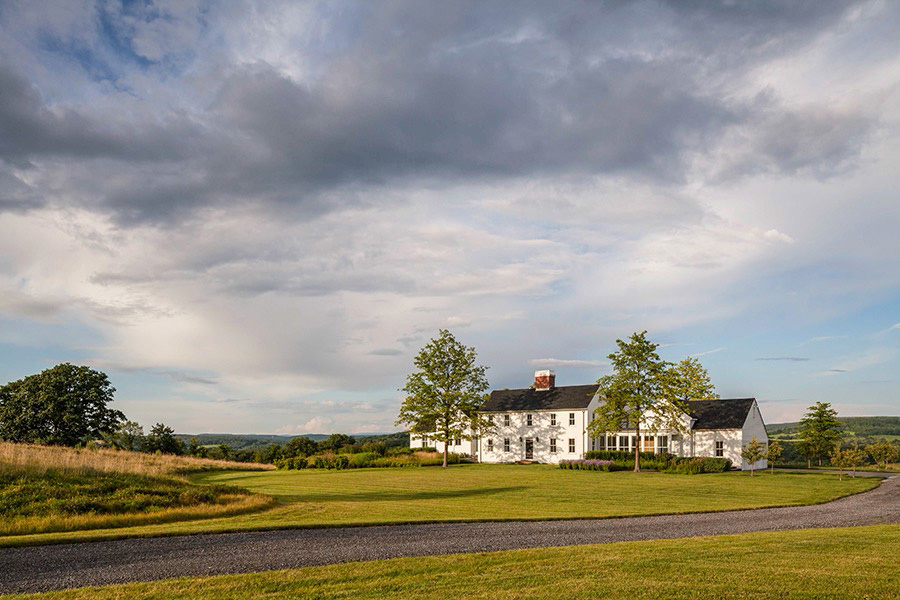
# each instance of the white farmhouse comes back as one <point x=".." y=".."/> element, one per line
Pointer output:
<point x="546" y="424"/>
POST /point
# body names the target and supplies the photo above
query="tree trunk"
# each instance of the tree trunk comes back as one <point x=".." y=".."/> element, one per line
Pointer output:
<point x="637" y="449"/>
<point x="446" y="448"/>
<point x="809" y="463"/>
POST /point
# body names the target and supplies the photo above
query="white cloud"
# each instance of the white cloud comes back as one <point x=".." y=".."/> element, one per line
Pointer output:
<point x="559" y="363"/>
<point x="314" y="425"/>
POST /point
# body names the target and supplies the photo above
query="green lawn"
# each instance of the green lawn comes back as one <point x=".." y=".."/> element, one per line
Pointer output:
<point x="483" y="492"/>
<point x="827" y="563"/>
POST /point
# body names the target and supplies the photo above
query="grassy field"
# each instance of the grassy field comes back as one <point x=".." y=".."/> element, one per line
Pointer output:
<point x="313" y="498"/>
<point x="53" y="489"/>
<point x="825" y="563"/>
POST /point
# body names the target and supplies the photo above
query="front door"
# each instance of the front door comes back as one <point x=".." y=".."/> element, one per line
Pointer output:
<point x="529" y="449"/>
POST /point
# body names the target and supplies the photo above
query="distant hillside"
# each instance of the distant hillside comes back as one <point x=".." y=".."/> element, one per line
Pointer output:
<point x="246" y="441"/>
<point x="862" y="427"/>
<point x="258" y="441"/>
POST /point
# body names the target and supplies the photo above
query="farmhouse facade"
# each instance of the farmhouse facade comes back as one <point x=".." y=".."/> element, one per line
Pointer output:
<point x="546" y="424"/>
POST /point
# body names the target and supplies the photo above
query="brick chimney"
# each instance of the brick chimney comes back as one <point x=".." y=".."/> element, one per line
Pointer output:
<point x="544" y="381"/>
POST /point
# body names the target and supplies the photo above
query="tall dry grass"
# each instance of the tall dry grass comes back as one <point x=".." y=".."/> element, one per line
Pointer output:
<point x="36" y="460"/>
<point x="32" y="462"/>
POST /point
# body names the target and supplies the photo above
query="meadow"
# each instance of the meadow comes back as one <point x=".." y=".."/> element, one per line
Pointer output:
<point x="53" y="489"/>
<point x="316" y="498"/>
<point x="823" y="563"/>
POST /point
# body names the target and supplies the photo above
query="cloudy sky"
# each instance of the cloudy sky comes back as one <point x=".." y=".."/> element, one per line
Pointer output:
<point x="253" y="215"/>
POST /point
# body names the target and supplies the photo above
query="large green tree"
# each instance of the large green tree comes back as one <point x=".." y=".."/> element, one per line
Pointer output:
<point x="444" y="394"/>
<point x="61" y="406"/>
<point x="819" y="432"/>
<point x="643" y="388"/>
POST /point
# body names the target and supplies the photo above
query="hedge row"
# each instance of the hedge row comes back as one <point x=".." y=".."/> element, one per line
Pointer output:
<point x="364" y="460"/>
<point x="667" y="463"/>
<point x="590" y="465"/>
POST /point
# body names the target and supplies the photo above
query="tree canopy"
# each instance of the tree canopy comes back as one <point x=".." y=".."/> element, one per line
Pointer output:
<point x="690" y="381"/>
<point x="819" y="432"/>
<point x="63" y="406"/>
<point x="445" y="392"/>
<point x="643" y="388"/>
<point x="162" y="439"/>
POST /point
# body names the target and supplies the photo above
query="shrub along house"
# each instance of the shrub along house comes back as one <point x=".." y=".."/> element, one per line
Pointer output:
<point x="546" y="423"/>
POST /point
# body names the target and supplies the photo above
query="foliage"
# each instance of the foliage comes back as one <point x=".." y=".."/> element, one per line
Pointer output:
<point x="625" y="459"/>
<point x="444" y="394"/>
<point x="752" y="453"/>
<point x="646" y="389"/>
<point x="819" y="432"/>
<point x="362" y="460"/>
<point x="698" y="465"/>
<point x="335" y="442"/>
<point x="390" y="440"/>
<point x="883" y="453"/>
<point x="690" y="381"/>
<point x="300" y="446"/>
<point x="162" y="439"/>
<point x="129" y="435"/>
<point x="64" y="406"/>
<point x="590" y="465"/>
<point x="773" y="453"/>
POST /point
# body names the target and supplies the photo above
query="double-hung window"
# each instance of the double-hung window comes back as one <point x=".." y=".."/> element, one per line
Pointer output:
<point x="457" y="442"/>
<point x="553" y="418"/>
<point x="553" y="445"/>
<point x="571" y="445"/>
<point x="490" y="445"/>
<point x="529" y="420"/>
<point x="571" y="418"/>
<point x="506" y="420"/>
<point x="662" y="443"/>
<point x="720" y="449"/>
<point x="506" y="444"/>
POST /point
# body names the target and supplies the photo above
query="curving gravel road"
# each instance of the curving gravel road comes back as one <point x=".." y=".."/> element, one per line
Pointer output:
<point x="54" y="567"/>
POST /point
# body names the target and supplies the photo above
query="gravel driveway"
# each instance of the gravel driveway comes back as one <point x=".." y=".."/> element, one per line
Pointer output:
<point x="53" y="567"/>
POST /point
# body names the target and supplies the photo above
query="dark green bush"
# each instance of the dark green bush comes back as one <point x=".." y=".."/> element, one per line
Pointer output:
<point x="398" y="451"/>
<point x="697" y="465"/>
<point x="379" y="448"/>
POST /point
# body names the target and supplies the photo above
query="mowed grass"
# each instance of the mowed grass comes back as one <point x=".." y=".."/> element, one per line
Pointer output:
<point x="314" y="498"/>
<point x="522" y="492"/>
<point x="52" y="489"/>
<point x="826" y="563"/>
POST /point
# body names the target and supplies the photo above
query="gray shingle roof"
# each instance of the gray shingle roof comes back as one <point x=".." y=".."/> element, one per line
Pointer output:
<point x="720" y="414"/>
<point x="571" y="396"/>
